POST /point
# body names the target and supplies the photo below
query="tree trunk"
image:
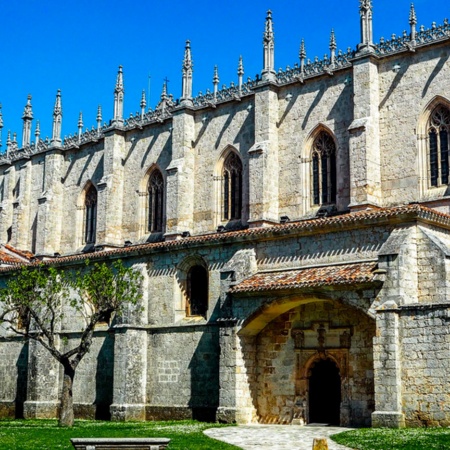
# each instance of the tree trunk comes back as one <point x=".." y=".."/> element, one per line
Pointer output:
<point x="66" y="415"/>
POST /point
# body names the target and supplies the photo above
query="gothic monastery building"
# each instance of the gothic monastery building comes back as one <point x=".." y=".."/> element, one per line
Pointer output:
<point x="293" y="232"/>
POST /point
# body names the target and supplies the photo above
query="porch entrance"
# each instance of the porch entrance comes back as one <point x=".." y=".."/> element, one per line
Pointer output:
<point x="324" y="393"/>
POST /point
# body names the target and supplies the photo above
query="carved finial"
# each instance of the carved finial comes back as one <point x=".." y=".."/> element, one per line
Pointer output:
<point x="302" y="55"/>
<point x="57" y="121"/>
<point x="27" y="118"/>
<point x="365" y="10"/>
<point x="143" y="104"/>
<point x="99" y="119"/>
<point x="80" y="126"/>
<point x="8" y="141"/>
<point x="119" y="92"/>
<point x="268" y="72"/>
<point x="28" y="112"/>
<point x="412" y="15"/>
<point x="240" y="73"/>
<point x="333" y="47"/>
<point x="332" y="41"/>
<point x="186" y="91"/>
<point x="37" y="134"/>
<point x="164" y="91"/>
<point x="365" y="5"/>
<point x="166" y="100"/>
<point x="119" y="80"/>
<point x="412" y="22"/>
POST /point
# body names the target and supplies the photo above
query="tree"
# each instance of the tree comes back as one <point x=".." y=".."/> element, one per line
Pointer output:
<point x="35" y="297"/>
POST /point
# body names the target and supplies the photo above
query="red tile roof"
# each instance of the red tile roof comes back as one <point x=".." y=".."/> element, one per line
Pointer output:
<point x="11" y="256"/>
<point x="398" y="214"/>
<point x="345" y="274"/>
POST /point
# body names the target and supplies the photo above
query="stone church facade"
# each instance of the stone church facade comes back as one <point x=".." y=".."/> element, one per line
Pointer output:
<point x="292" y="231"/>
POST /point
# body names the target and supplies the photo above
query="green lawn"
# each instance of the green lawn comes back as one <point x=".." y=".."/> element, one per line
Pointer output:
<point x="45" y="434"/>
<point x="389" y="439"/>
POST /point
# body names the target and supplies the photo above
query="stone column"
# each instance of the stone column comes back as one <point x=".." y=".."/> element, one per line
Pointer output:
<point x="130" y="359"/>
<point x="110" y="191"/>
<point x="180" y="175"/>
<point x="21" y="215"/>
<point x="49" y="218"/>
<point x="6" y="208"/>
<point x="387" y="365"/>
<point x="263" y="160"/>
<point x="237" y="371"/>
<point x="130" y="374"/>
<point x="43" y="384"/>
<point x="365" y="169"/>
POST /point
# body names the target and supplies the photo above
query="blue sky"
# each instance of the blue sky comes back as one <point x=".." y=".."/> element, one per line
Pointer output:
<point x="76" y="46"/>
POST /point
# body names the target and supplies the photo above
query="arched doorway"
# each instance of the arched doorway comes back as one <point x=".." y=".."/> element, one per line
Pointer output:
<point x="324" y="393"/>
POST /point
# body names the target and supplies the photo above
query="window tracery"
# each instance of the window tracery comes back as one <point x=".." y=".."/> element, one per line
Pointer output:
<point x="438" y="142"/>
<point x="232" y="187"/>
<point x="155" y="201"/>
<point x="324" y="169"/>
<point x="90" y="220"/>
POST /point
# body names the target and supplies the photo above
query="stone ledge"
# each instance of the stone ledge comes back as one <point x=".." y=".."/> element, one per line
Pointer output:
<point x="120" y="443"/>
<point x="388" y="419"/>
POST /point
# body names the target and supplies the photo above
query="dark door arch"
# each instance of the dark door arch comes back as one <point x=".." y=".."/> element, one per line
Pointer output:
<point x="324" y="393"/>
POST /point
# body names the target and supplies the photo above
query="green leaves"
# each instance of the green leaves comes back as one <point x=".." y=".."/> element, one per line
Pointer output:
<point x="108" y="288"/>
<point x="36" y="299"/>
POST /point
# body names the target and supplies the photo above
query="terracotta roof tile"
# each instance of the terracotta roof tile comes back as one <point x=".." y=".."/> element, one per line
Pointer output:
<point x="400" y="213"/>
<point x="23" y="253"/>
<point x="345" y="274"/>
<point x="7" y="258"/>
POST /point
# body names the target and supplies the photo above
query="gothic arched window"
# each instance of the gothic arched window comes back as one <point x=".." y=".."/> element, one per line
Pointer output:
<point x="90" y="215"/>
<point x="232" y="187"/>
<point x="155" y="201"/>
<point x="324" y="169"/>
<point x="197" y="291"/>
<point x="438" y="140"/>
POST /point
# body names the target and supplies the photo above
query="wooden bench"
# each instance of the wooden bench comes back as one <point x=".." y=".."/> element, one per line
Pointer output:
<point x="120" y="443"/>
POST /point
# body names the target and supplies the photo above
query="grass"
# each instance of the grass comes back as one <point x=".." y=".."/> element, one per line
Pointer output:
<point x="395" y="439"/>
<point x="46" y="435"/>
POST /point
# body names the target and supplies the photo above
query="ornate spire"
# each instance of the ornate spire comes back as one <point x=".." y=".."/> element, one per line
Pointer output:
<point x="302" y="55"/>
<point x="240" y="73"/>
<point x="365" y="10"/>
<point x="57" y="121"/>
<point x="268" y="72"/>
<point x="8" y="142"/>
<point x="118" y="99"/>
<point x="27" y="118"/>
<point x="99" y="119"/>
<point x="186" y="91"/>
<point x="143" y="104"/>
<point x="166" y="100"/>
<point x="37" y="134"/>
<point x="80" y="126"/>
<point x="413" y="22"/>
<point x="333" y="48"/>
<point x="216" y="81"/>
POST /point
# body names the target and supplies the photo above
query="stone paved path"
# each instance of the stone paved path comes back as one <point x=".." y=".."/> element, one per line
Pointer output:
<point x="275" y="437"/>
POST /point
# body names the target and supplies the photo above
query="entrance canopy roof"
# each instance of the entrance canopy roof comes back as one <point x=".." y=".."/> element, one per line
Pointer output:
<point x="332" y="275"/>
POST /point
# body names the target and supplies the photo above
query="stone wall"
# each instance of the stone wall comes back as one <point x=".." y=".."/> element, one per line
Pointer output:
<point x="425" y="337"/>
